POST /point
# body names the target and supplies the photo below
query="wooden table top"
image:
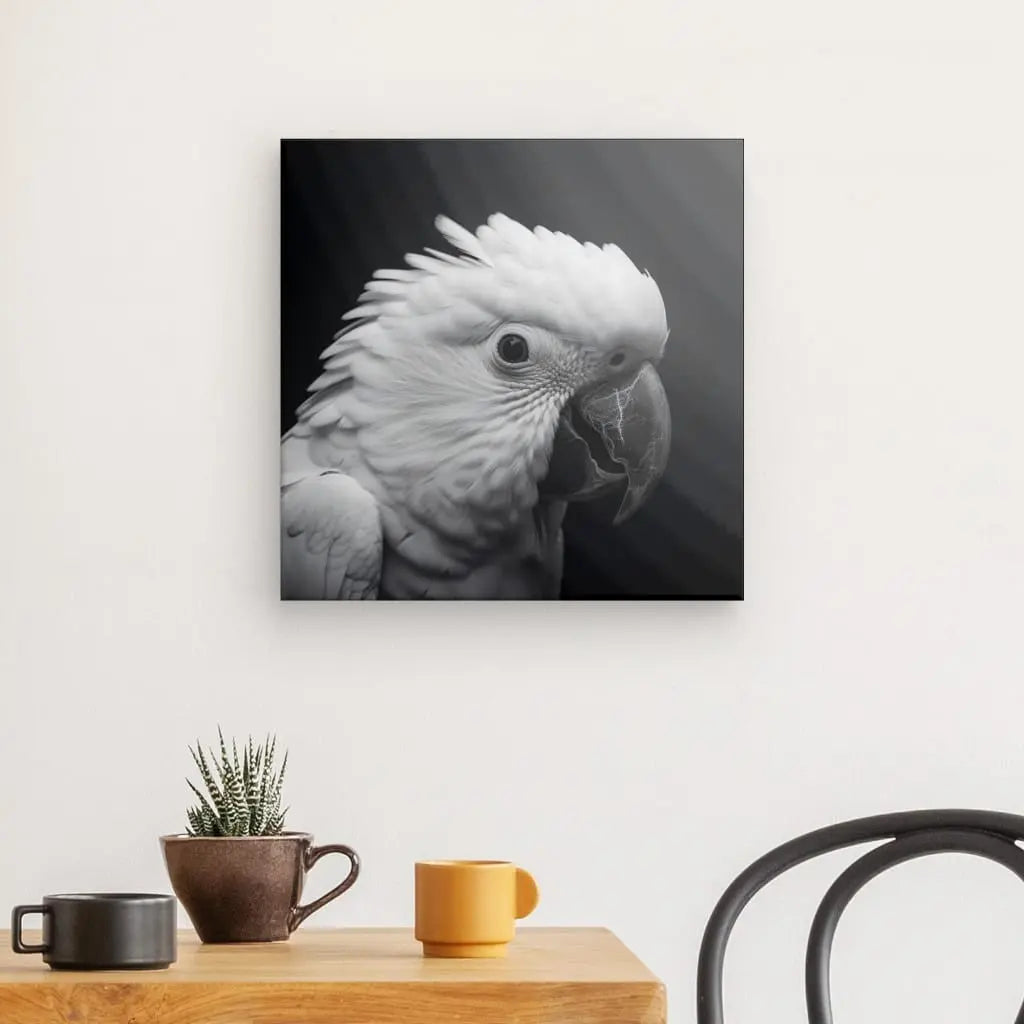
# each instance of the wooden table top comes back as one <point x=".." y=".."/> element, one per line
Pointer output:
<point x="369" y="976"/>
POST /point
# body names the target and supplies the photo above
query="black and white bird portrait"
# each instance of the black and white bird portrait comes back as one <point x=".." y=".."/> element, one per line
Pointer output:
<point x="487" y="413"/>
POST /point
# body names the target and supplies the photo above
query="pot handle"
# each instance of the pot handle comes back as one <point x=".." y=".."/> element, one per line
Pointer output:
<point x="17" y="915"/>
<point x="312" y="855"/>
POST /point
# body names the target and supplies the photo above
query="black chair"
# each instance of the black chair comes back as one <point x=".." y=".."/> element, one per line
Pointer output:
<point x="989" y="834"/>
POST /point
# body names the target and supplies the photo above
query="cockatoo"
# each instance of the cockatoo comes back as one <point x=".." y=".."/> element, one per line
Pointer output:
<point x="470" y="397"/>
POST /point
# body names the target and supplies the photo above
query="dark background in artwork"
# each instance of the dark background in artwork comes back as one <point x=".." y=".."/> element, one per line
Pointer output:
<point x="675" y="207"/>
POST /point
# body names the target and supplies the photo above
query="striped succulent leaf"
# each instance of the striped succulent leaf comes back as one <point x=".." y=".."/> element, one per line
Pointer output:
<point x="210" y="822"/>
<point x="226" y="805"/>
<point x="276" y="825"/>
<point x="204" y="768"/>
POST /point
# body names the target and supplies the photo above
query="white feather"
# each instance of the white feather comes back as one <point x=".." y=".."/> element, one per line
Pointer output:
<point x="460" y="238"/>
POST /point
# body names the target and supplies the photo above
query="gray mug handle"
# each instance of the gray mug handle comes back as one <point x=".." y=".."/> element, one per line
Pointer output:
<point x="17" y="914"/>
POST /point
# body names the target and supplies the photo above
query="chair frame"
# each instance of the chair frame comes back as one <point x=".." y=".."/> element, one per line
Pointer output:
<point x="911" y="834"/>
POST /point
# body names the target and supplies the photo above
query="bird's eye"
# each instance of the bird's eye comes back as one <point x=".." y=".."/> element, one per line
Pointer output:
<point x="617" y="360"/>
<point x="513" y="349"/>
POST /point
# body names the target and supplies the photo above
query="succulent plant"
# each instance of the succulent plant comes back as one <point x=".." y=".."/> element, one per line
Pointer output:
<point x="243" y="795"/>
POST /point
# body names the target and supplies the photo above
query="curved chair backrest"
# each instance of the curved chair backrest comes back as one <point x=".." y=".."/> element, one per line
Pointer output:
<point x="989" y="834"/>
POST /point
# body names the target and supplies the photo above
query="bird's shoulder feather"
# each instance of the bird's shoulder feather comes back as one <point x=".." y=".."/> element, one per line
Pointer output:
<point x="331" y="539"/>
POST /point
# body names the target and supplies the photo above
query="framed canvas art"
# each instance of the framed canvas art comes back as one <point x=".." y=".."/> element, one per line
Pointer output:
<point x="511" y="369"/>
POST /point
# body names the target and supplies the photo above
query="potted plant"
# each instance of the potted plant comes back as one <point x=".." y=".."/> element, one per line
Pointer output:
<point x="237" y="872"/>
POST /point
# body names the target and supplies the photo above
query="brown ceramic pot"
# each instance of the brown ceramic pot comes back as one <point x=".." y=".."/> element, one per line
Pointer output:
<point x="247" y="888"/>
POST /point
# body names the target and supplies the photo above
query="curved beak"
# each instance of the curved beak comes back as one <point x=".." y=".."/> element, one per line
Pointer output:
<point x="616" y="433"/>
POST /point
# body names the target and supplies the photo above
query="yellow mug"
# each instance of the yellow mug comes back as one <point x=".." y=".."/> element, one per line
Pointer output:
<point x="469" y="908"/>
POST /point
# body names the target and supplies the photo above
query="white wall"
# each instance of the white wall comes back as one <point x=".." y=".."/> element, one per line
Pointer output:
<point x="635" y="757"/>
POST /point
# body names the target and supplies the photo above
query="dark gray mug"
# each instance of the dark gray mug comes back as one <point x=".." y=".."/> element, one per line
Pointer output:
<point x="102" y="931"/>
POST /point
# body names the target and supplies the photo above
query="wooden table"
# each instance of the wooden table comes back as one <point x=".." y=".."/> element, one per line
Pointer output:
<point x="357" y="976"/>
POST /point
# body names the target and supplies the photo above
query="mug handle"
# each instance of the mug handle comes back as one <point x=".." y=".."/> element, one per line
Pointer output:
<point x="17" y="915"/>
<point x="312" y="855"/>
<point x="527" y="894"/>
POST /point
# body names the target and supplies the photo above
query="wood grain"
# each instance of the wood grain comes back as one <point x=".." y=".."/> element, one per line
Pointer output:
<point x="357" y="976"/>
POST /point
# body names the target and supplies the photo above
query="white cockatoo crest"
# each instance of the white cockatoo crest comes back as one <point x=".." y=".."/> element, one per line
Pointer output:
<point x="583" y="292"/>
